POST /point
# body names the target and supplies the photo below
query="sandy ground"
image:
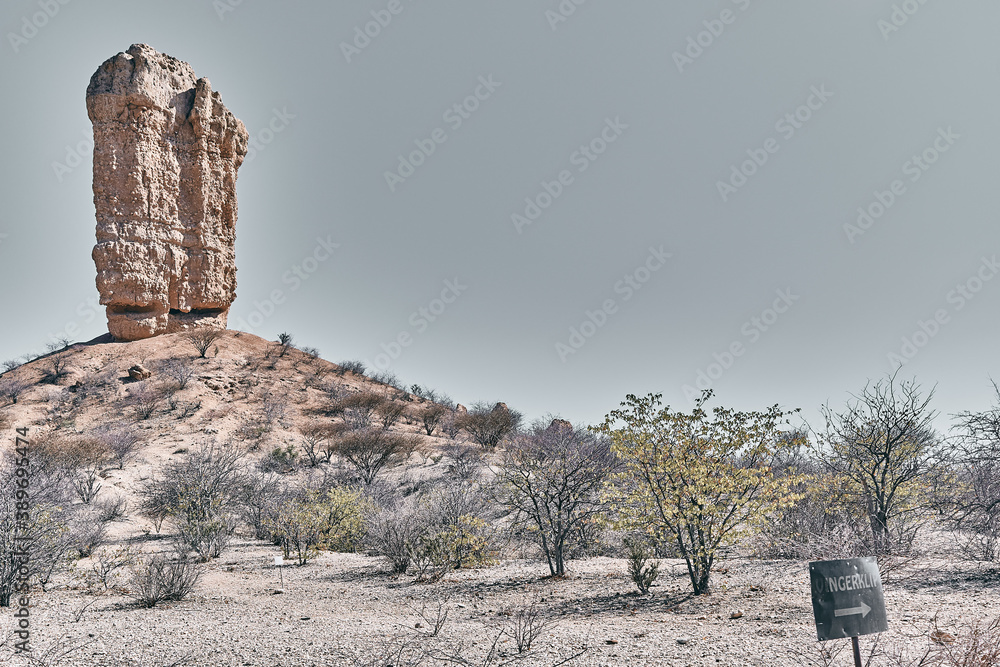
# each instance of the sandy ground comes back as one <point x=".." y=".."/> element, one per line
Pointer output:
<point x="343" y="610"/>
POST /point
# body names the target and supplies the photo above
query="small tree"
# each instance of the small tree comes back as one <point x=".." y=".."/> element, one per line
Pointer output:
<point x="316" y="436"/>
<point x="885" y="445"/>
<point x="57" y="369"/>
<point x="202" y="338"/>
<point x="370" y="450"/>
<point x="551" y="479"/>
<point x="974" y="501"/>
<point x="431" y="415"/>
<point x="121" y="441"/>
<point x="488" y="425"/>
<point x="389" y="413"/>
<point x="699" y="481"/>
<point x="12" y="388"/>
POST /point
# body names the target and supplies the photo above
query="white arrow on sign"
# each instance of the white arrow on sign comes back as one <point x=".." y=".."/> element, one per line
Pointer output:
<point x="851" y="611"/>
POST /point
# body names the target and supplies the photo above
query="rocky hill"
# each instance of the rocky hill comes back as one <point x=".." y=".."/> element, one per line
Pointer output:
<point x="258" y="395"/>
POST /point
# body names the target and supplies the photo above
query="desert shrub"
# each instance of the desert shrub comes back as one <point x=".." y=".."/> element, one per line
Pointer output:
<point x="642" y="570"/>
<point x="107" y="563"/>
<point x="261" y="421"/>
<point x="204" y="524"/>
<point x="145" y="400"/>
<point x="56" y="370"/>
<point x="357" y="408"/>
<point x="203" y="338"/>
<point x="356" y="367"/>
<point x="525" y="624"/>
<point x="466" y="461"/>
<point x="178" y="371"/>
<point x="199" y="494"/>
<point x="78" y="459"/>
<point x="285" y="343"/>
<point x="89" y="532"/>
<point x="971" y="502"/>
<point x="821" y="524"/>
<point x="111" y="509"/>
<point x="281" y="459"/>
<point x="11" y="389"/>
<point x="388" y="378"/>
<point x="121" y="441"/>
<point x="392" y="533"/>
<point x="975" y="645"/>
<point x="159" y="577"/>
<point x="55" y="526"/>
<point x="186" y="408"/>
<point x="443" y="529"/>
<point x="258" y="497"/>
<point x="46" y="531"/>
<point x="551" y="480"/>
<point x="317" y="438"/>
<point x="489" y="425"/>
<point x="369" y="451"/>
<point x="468" y="542"/>
<point x="333" y="520"/>
<point x="458" y="530"/>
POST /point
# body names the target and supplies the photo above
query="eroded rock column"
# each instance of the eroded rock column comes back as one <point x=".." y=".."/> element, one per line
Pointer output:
<point x="166" y="156"/>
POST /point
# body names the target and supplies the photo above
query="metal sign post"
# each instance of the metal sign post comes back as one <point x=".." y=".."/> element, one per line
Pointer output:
<point x="279" y="561"/>
<point x="847" y="600"/>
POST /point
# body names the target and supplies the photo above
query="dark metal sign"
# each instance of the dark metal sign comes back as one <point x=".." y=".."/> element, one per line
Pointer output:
<point x="847" y="598"/>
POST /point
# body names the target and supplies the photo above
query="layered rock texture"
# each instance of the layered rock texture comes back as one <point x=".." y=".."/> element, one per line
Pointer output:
<point x="166" y="156"/>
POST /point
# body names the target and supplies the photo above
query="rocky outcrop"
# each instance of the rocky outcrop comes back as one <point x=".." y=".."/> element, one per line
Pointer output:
<point x="166" y="155"/>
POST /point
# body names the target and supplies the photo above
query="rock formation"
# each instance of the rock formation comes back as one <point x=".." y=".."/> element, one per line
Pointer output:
<point x="166" y="154"/>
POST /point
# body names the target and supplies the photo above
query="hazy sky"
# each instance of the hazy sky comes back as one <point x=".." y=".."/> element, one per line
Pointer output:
<point x="586" y="199"/>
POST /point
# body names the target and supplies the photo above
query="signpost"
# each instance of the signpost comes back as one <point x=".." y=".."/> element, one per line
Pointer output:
<point x="847" y="600"/>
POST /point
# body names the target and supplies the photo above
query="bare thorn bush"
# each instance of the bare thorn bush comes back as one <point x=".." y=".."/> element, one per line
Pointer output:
<point x="159" y="577"/>
<point x="203" y="338"/>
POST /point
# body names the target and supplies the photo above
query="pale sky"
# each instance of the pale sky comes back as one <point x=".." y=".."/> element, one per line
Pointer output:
<point x="557" y="204"/>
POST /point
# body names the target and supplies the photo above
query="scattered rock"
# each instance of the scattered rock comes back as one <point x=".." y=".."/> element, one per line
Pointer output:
<point x="736" y="614"/>
<point x="683" y="640"/>
<point x="166" y="155"/>
<point x="139" y="372"/>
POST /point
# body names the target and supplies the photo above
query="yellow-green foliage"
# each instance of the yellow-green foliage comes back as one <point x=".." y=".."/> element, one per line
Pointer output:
<point x="699" y="481"/>
<point x="443" y="548"/>
<point x="334" y="520"/>
<point x="468" y="543"/>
